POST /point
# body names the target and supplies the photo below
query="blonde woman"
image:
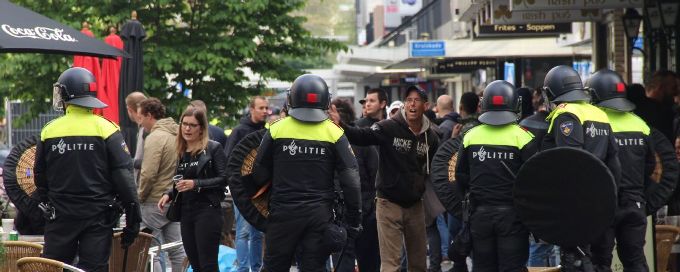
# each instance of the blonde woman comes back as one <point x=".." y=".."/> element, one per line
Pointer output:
<point x="202" y="165"/>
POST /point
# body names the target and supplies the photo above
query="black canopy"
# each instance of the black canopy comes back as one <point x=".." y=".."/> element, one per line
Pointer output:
<point x="24" y="31"/>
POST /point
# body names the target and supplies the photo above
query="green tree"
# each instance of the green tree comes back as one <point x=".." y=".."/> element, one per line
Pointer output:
<point x="207" y="45"/>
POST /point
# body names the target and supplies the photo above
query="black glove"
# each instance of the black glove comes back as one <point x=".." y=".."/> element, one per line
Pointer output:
<point x="353" y="232"/>
<point x="132" y="220"/>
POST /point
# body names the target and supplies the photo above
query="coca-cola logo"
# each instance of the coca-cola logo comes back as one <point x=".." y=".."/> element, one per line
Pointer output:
<point x="38" y="32"/>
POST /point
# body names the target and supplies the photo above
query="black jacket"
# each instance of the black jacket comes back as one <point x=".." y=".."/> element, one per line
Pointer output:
<point x="244" y="128"/>
<point x="404" y="157"/>
<point x="537" y="125"/>
<point x="211" y="177"/>
<point x="82" y="163"/>
<point x="446" y="126"/>
<point x="217" y="134"/>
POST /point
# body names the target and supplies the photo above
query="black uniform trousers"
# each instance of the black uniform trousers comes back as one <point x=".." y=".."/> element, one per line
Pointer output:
<point x="89" y="238"/>
<point x="201" y="228"/>
<point x="364" y="248"/>
<point x="629" y="229"/>
<point x="289" y="229"/>
<point x="499" y="240"/>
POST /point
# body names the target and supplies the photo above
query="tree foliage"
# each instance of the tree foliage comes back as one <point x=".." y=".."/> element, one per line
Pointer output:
<point x="206" y="45"/>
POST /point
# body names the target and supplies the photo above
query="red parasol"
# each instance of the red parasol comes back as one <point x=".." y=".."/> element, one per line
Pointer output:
<point x="111" y="77"/>
<point x="92" y="65"/>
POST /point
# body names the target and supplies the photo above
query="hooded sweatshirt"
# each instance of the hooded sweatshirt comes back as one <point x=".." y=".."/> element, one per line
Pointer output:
<point x="245" y="127"/>
<point x="160" y="161"/>
<point x="405" y="157"/>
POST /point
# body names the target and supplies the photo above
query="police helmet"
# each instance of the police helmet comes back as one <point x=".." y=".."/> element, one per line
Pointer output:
<point x="500" y="104"/>
<point x="78" y="86"/>
<point x="309" y="99"/>
<point x="609" y="91"/>
<point x="563" y="84"/>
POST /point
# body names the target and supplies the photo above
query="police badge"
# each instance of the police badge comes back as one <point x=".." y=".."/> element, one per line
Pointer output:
<point x="566" y="128"/>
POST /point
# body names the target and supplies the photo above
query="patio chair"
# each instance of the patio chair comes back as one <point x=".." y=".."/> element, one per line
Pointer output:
<point x="138" y="253"/>
<point x="666" y="235"/>
<point x="15" y="250"/>
<point x="38" y="264"/>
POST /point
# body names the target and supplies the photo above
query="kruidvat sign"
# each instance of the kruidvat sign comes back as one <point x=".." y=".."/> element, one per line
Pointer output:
<point x="536" y="5"/>
<point x="427" y="49"/>
<point x="39" y="32"/>
<point x="502" y="15"/>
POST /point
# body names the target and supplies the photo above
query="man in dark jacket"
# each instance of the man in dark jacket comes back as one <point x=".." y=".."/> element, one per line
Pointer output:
<point x="407" y="144"/>
<point x="448" y="117"/>
<point x="374" y="106"/>
<point x="248" y="239"/>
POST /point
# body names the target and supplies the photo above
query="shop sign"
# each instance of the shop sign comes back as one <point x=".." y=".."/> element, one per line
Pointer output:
<point x="522" y="30"/>
<point x="462" y="65"/>
<point x="537" y="5"/>
<point x="501" y="14"/>
<point x="427" y="48"/>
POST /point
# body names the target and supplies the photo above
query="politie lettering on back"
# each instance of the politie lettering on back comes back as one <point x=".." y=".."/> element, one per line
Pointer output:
<point x="482" y="155"/>
<point x="294" y="149"/>
<point x="62" y="147"/>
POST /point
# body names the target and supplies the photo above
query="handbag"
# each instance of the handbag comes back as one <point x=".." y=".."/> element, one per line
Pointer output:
<point x="174" y="212"/>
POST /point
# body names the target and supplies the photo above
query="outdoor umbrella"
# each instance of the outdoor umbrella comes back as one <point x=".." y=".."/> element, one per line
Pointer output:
<point x="131" y="74"/>
<point x="91" y="64"/>
<point x="22" y="30"/>
<point x="111" y="77"/>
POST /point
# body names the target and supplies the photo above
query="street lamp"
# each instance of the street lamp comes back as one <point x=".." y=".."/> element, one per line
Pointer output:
<point x="631" y="24"/>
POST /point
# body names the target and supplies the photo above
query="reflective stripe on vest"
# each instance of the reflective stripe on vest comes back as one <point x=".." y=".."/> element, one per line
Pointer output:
<point x="78" y="121"/>
<point x="290" y="128"/>
<point x="583" y="111"/>
<point x="626" y="122"/>
<point x="505" y="135"/>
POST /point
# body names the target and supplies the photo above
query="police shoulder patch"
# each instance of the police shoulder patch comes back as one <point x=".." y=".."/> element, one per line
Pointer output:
<point x="124" y="146"/>
<point x="566" y="128"/>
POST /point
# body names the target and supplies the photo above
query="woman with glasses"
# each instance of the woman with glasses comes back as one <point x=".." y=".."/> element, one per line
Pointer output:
<point x="202" y="165"/>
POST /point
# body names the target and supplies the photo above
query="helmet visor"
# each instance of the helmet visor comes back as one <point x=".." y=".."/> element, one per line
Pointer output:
<point x="497" y="118"/>
<point x="57" y="100"/>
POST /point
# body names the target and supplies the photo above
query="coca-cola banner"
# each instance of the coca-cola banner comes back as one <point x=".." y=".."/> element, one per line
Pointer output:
<point x="22" y="30"/>
<point x="38" y="32"/>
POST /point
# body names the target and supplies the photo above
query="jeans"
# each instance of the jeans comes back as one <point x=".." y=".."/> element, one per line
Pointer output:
<point x="443" y="233"/>
<point x="248" y="245"/>
<point x="542" y="255"/>
<point x="164" y="232"/>
<point x="201" y="226"/>
<point x="434" y="245"/>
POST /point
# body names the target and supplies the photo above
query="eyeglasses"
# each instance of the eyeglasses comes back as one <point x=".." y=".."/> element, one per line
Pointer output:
<point x="190" y="125"/>
<point x="411" y="100"/>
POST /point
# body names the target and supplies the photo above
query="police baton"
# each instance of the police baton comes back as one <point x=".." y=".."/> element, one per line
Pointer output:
<point x="342" y="253"/>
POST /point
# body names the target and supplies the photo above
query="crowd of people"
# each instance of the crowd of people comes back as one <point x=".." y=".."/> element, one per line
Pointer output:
<point x="316" y="152"/>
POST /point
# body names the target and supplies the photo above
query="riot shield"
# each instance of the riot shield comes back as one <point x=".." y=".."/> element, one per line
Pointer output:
<point x="253" y="205"/>
<point x="19" y="183"/>
<point x="565" y="196"/>
<point x="443" y="176"/>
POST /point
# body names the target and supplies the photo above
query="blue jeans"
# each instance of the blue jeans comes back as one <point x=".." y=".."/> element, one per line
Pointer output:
<point x="542" y="255"/>
<point x="248" y="245"/>
<point x="443" y="233"/>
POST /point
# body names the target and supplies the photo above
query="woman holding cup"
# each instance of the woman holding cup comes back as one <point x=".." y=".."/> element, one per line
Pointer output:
<point x="199" y="189"/>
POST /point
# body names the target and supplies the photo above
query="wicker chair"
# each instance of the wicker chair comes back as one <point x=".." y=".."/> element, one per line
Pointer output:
<point x="15" y="250"/>
<point x="38" y="264"/>
<point x="138" y="253"/>
<point x="666" y="235"/>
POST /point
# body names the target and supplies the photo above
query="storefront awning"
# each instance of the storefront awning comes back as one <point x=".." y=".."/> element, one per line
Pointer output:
<point x="500" y="48"/>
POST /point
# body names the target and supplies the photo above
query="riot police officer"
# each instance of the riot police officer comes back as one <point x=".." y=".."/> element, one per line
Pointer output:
<point x="576" y="123"/>
<point x="82" y="169"/>
<point x="637" y="156"/>
<point x="301" y="154"/>
<point x="491" y="153"/>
